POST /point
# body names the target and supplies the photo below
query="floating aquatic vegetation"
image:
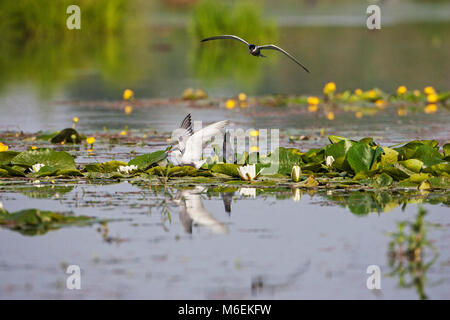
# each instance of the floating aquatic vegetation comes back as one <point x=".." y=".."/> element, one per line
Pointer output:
<point x="68" y="135"/>
<point x="38" y="222"/>
<point x="347" y="163"/>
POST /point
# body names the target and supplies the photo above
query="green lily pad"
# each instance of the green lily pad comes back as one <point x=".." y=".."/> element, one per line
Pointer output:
<point x="390" y="156"/>
<point x="414" y="165"/>
<point x="60" y="160"/>
<point x="382" y="181"/>
<point x="105" y="167"/>
<point x="440" y="169"/>
<point x="36" y="222"/>
<point x="446" y="148"/>
<point x="145" y="161"/>
<point x="226" y="168"/>
<point x="12" y="171"/>
<point x="46" y="171"/>
<point x="397" y="171"/>
<point x="67" y="135"/>
<point x="440" y="182"/>
<point x="7" y="156"/>
<point x="69" y="173"/>
<point x="338" y="151"/>
<point x="428" y="155"/>
<point x="361" y="156"/>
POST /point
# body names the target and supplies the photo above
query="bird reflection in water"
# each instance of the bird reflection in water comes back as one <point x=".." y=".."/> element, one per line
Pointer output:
<point x="191" y="210"/>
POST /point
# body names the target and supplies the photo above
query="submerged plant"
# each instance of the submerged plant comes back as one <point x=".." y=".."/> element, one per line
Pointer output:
<point x="407" y="253"/>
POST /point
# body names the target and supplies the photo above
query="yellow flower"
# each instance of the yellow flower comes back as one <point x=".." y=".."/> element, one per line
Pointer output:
<point x="3" y="147"/>
<point x="313" y="108"/>
<point x="429" y="90"/>
<point x="90" y="140"/>
<point x="200" y="94"/>
<point x="330" y="87"/>
<point x="230" y="104"/>
<point x="432" y="98"/>
<point x="254" y="133"/>
<point x="431" y="108"/>
<point x="401" y="90"/>
<point x="312" y="101"/>
<point x="90" y="150"/>
<point x="359" y="114"/>
<point x="123" y="133"/>
<point x="380" y="103"/>
<point x="401" y="112"/>
<point x="416" y="93"/>
<point x="128" y="94"/>
<point x="330" y="115"/>
<point x="75" y="119"/>
<point x="254" y="148"/>
<point x="242" y="96"/>
<point x="372" y="94"/>
<point x="128" y="109"/>
<point x="33" y="147"/>
<point x="358" y="92"/>
<point x="188" y="94"/>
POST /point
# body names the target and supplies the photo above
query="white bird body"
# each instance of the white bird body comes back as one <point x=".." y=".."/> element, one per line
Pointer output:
<point x="191" y="145"/>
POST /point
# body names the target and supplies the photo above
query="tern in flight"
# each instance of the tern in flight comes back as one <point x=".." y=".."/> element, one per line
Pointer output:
<point x="256" y="50"/>
<point x="191" y="144"/>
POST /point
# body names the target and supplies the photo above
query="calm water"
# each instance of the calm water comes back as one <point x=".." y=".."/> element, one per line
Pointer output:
<point x="266" y="247"/>
<point x="269" y="246"/>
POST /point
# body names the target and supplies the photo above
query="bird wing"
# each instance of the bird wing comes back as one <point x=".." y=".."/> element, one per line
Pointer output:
<point x="195" y="144"/>
<point x="274" y="47"/>
<point x="226" y="37"/>
<point x="187" y="124"/>
<point x="184" y="132"/>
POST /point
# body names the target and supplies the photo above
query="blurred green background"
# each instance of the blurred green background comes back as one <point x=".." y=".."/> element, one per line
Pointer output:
<point x="154" y="47"/>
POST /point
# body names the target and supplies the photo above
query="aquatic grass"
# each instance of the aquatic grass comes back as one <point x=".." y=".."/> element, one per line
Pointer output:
<point x="27" y="19"/>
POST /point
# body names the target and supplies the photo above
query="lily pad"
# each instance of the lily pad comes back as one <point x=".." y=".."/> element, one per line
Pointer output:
<point x="226" y="168"/>
<point x="145" y="161"/>
<point x="67" y="135"/>
<point x="361" y="156"/>
<point x="105" y="167"/>
<point x="414" y="165"/>
<point x="60" y="160"/>
<point x="7" y="156"/>
<point x="428" y="155"/>
<point x="36" y="222"/>
<point x="338" y="151"/>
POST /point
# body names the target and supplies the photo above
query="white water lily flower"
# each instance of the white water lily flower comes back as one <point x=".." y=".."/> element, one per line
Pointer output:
<point x="127" y="169"/>
<point x="248" y="192"/>
<point x="36" y="167"/>
<point x="296" y="173"/>
<point x="329" y="161"/>
<point x="248" y="172"/>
